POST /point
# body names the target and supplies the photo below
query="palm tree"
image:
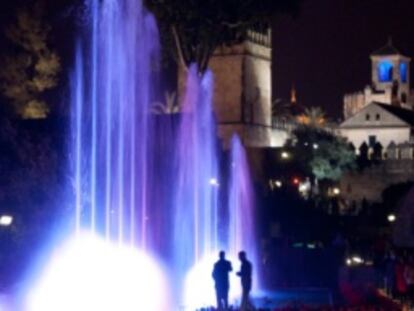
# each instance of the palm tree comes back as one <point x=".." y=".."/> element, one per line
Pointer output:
<point x="169" y="107"/>
<point x="313" y="116"/>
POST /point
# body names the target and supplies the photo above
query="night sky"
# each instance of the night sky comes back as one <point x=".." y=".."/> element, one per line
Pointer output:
<point x="325" y="51"/>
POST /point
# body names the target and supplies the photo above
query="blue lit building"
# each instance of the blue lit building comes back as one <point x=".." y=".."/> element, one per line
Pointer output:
<point x="390" y="82"/>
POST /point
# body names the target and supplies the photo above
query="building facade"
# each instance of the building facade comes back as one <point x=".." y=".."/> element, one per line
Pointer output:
<point x="379" y="124"/>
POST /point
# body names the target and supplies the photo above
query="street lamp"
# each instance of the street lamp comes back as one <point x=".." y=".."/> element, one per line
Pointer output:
<point x="285" y="155"/>
<point x="6" y="220"/>
<point x="391" y="218"/>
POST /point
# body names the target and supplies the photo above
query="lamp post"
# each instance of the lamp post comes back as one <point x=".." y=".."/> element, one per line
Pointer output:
<point x="391" y="218"/>
<point x="285" y="155"/>
<point x="6" y="220"/>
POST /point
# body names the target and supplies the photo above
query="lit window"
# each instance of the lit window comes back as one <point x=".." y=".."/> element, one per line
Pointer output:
<point x="385" y="69"/>
<point x="403" y="72"/>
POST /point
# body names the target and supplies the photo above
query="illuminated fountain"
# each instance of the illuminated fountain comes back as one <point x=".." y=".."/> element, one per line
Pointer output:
<point x="110" y="267"/>
<point x="196" y="200"/>
<point x="241" y="228"/>
<point x="131" y="217"/>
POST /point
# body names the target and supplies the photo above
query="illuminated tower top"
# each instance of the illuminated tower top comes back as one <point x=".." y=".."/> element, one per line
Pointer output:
<point x="293" y="98"/>
<point x="391" y="70"/>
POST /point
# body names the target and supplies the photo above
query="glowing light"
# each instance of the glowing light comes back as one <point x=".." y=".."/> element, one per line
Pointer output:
<point x="6" y="220"/>
<point x="5" y="304"/>
<point x="296" y="181"/>
<point x="391" y="218"/>
<point x="90" y="274"/>
<point x="214" y="182"/>
<point x="285" y="155"/>
<point x="278" y="183"/>
<point x="315" y="146"/>
<point x="199" y="285"/>
<point x="336" y="191"/>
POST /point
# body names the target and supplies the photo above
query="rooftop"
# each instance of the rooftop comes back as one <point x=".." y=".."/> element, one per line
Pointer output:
<point x="388" y="49"/>
<point x="401" y="113"/>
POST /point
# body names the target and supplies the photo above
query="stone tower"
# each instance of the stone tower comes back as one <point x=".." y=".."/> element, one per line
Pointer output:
<point x="390" y="73"/>
<point x="242" y="90"/>
<point x="242" y="93"/>
<point x="390" y="82"/>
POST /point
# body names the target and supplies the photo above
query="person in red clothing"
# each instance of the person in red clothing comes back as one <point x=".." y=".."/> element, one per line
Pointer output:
<point x="401" y="283"/>
<point x="409" y="279"/>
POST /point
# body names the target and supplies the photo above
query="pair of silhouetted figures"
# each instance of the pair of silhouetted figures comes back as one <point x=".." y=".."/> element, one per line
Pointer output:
<point x="221" y="271"/>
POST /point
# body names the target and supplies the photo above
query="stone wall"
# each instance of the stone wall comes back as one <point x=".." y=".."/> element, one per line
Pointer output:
<point x="371" y="182"/>
<point x="357" y="136"/>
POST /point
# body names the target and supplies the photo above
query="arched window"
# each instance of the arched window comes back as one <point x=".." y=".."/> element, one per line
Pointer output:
<point x="403" y="72"/>
<point x="385" y="71"/>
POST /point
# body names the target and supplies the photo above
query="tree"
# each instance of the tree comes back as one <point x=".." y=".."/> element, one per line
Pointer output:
<point x="170" y="106"/>
<point x="32" y="68"/>
<point x="322" y="154"/>
<point x="313" y="117"/>
<point x="196" y="28"/>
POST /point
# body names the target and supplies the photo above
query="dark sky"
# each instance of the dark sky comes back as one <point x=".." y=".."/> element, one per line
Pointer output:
<point x="325" y="51"/>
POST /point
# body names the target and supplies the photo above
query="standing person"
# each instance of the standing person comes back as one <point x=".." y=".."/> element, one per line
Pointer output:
<point x="245" y="274"/>
<point x="409" y="280"/>
<point x="221" y="271"/>
<point x="390" y="278"/>
<point x="400" y="282"/>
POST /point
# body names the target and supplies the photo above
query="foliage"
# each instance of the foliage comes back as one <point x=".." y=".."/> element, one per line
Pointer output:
<point x="313" y="117"/>
<point x="170" y="106"/>
<point x="322" y="154"/>
<point x="32" y="68"/>
<point x="196" y="28"/>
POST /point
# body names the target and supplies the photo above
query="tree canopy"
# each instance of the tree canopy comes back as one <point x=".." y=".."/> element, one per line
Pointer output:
<point x="312" y="117"/>
<point x="322" y="154"/>
<point x="196" y="28"/>
<point x="32" y="67"/>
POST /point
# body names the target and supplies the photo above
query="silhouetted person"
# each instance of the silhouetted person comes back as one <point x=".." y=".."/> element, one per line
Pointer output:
<point x="221" y="271"/>
<point x="245" y="274"/>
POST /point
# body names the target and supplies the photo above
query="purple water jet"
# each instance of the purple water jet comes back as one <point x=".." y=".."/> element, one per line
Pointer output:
<point x="242" y="220"/>
<point x="133" y="186"/>
<point x="112" y="98"/>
